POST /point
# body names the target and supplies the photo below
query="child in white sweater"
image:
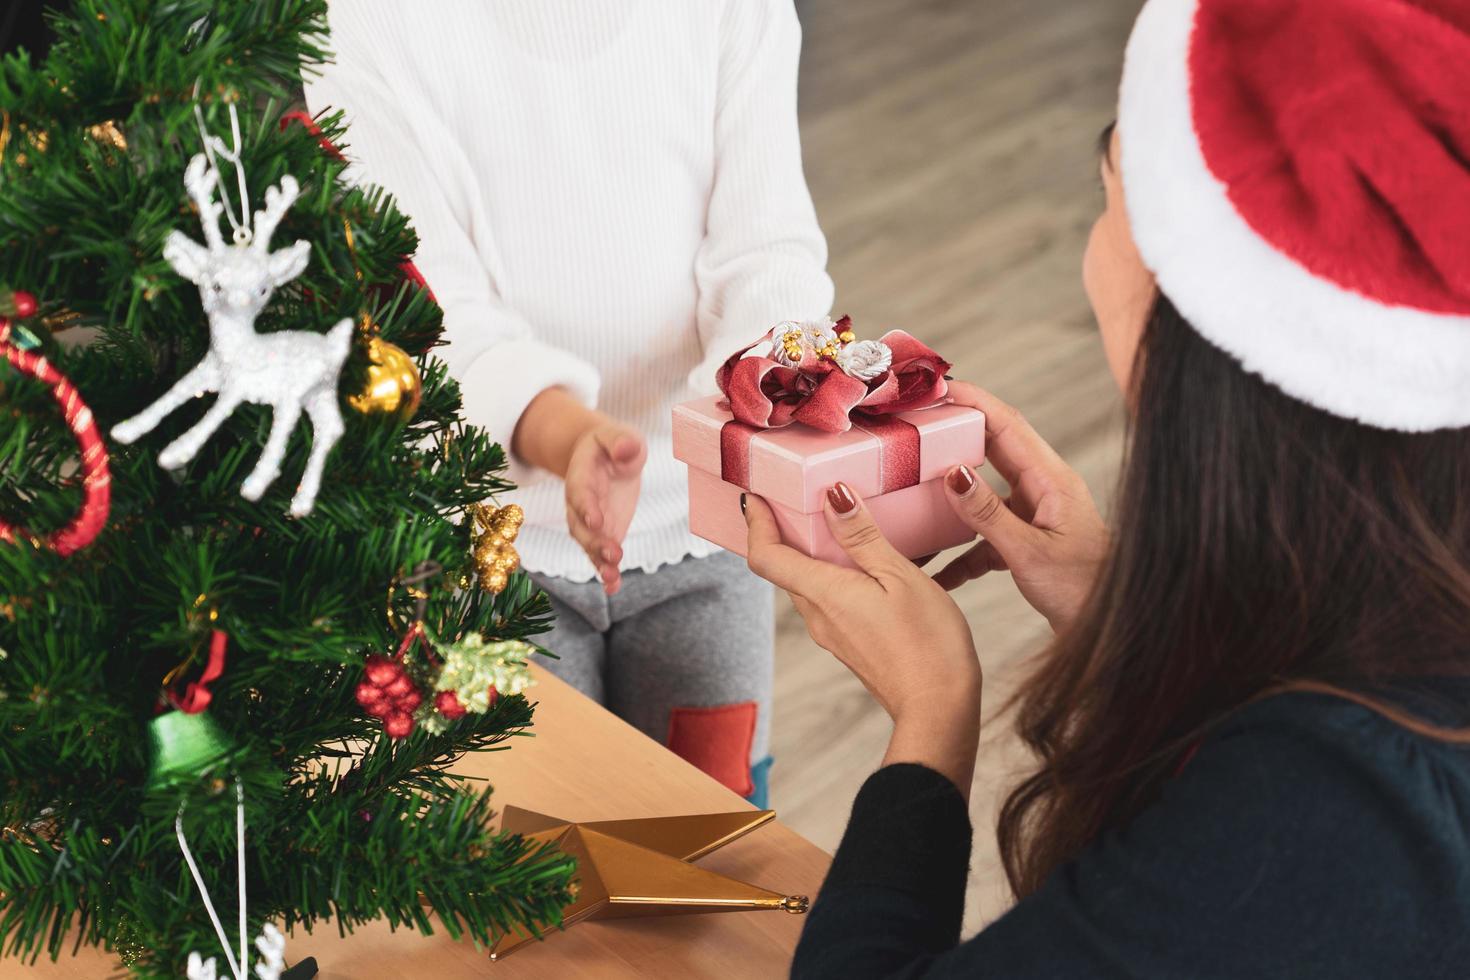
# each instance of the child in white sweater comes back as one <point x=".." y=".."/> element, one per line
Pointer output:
<point x="610" y="200"/>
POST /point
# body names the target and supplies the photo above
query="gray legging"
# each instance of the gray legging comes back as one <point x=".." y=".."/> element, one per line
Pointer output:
<point x="683" y="653"/>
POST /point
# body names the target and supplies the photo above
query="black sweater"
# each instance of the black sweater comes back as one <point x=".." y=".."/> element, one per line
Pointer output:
<point x="1308" y="838"/>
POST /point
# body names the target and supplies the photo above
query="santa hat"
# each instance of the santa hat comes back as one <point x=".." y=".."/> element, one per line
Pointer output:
<point x="1297" y="175"/>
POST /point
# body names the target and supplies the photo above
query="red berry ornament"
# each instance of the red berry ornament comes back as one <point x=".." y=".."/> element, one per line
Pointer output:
<point x="398" y="724"/>
<point x="447" y="704"/>
<point x="24" y="304"/>
<point x="387" y="692"/>
<point x="381" y="670"/>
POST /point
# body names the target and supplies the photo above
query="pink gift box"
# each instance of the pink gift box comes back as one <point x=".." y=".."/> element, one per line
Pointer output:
<point x="896" y="464"/>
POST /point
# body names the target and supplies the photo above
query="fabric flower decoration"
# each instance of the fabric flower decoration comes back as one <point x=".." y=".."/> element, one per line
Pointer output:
<point x="789" y="347"/>
<point x="822" y="336"/>
<point x="796" y="345"/>
<point x="865" y="359"/>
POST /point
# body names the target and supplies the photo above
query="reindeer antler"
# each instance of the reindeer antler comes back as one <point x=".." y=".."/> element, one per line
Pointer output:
<point x="200" y="180"/>
<point x="278" y="201"/>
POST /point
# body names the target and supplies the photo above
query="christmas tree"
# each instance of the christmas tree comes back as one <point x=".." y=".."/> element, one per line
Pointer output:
<point x="176" y="638"/>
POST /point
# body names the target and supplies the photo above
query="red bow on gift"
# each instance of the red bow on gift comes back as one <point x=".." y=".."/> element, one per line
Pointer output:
<point x="823" y="387"/>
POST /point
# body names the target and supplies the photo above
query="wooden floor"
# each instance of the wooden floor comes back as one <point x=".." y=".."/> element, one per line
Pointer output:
<point x="950" y="146"/>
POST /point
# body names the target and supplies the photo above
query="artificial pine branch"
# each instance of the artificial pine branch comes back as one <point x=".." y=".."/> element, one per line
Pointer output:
<point x="344" y="826"/>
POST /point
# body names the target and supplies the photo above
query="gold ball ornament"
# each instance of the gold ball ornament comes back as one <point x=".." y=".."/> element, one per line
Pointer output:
<point x="847" y="336"/>
<point x="495" y="530"/>
<point x="791" y="342"/>
<point x="393" y="384"/>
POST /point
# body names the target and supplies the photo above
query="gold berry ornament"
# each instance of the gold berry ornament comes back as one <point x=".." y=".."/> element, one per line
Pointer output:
<point x="393" y="384"/>
<point x="495" y="530"/>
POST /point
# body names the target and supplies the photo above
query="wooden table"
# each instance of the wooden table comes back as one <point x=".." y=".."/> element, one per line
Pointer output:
<point x="581" y="764"/>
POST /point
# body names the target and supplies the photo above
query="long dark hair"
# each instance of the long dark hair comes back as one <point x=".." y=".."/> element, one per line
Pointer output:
<point x="1260" y="545"/>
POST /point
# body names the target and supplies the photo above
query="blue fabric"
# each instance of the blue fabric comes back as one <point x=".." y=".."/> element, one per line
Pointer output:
<point x="760" y="778"/>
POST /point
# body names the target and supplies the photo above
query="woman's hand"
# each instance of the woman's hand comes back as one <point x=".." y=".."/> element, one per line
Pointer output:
<point x="891" y="625"/>
<point x="604" y="474"/>
<point x="1048" y="534"/>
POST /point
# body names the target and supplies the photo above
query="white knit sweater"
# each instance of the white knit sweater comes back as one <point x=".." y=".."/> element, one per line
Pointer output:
<point x="610" y="199"/>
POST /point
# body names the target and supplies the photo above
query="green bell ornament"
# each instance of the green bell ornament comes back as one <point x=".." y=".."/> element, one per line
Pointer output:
<point x="186" y="741"/>
<point x="185" y="746"/>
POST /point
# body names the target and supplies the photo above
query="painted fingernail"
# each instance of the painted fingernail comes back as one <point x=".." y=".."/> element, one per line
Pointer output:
<point x="961" y="481"/>
<point x="742" y="503"/>
<point x="841" y="497"/>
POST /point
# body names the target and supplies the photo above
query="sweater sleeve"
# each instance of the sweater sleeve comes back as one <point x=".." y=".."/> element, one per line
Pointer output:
<point x="395" y="141"/>
<point x="763" y="259"/>
<point x="1280" y="850"/>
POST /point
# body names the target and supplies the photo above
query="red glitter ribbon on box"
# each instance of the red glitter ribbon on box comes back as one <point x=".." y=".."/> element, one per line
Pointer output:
<point x="899" y="448"/>
<point x="96" y="478"/>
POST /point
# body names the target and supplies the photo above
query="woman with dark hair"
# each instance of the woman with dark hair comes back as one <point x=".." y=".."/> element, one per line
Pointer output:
<point x="1253" y="728"/>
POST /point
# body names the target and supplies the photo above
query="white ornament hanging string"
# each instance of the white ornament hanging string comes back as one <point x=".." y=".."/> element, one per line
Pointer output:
<point x="219" y="929"/>
<point x="214" y="145"/>
<point x="270" y="942"/>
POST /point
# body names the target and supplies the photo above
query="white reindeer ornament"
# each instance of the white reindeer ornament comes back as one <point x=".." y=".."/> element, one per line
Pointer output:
<point x="291" y="371"/>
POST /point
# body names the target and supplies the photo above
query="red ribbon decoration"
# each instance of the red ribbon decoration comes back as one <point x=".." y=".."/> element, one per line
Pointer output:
<point x="735" y="440"/>
<point x="769" y="395"/>
<point x="899" y="448"/>
<point x="96" y="478"/>
<point x="409" y="270"/>
<point x="765" y="394"/>
<point x="196" y="693"/>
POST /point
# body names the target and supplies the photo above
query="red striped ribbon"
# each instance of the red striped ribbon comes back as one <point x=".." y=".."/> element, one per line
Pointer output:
<point x="96" y="478"/>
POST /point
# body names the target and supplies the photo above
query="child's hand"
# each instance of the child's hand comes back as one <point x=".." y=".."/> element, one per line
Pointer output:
<point x="1048" y="534"/>
<point x="602" y="481"/>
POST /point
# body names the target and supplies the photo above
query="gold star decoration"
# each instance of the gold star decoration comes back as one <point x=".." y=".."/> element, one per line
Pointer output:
<point x="629" y="868"/>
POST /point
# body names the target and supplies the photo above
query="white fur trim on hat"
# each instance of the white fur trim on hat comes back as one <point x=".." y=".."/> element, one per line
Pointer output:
<point x="1391" y="367"/>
